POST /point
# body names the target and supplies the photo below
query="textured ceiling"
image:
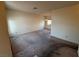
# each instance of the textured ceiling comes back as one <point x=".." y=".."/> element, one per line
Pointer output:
<point x="42" y="6"/>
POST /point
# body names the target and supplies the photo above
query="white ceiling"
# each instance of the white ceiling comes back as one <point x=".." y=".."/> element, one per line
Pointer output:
<point x="43" y="6"/>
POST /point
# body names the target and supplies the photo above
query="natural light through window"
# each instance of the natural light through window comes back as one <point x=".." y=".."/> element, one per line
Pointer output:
<point x="49" y="22"/>
<point x="12" y="26"/>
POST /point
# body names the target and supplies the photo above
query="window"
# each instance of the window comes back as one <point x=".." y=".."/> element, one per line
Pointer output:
<point x="48" y="22"/>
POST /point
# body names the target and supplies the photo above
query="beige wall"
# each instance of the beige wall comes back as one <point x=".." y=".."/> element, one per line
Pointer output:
<point x="22" y="22"/>
<point x="5" y="48"/>
<point x="65" y="23"/>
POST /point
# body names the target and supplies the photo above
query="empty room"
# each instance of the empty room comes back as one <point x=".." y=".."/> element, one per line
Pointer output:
<point x="39" y="28"/>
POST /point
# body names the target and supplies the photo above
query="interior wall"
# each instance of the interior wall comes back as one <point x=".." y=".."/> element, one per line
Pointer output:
<point x="21" y="22"/>
<point x="5" y="47"/>
<point x="65" y="23"/>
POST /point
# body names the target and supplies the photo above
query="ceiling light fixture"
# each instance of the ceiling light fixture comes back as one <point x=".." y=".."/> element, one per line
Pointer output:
<point x="35" y="8"/>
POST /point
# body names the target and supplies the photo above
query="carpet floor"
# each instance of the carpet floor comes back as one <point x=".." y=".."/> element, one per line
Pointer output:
<point x="38" y="43"/>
